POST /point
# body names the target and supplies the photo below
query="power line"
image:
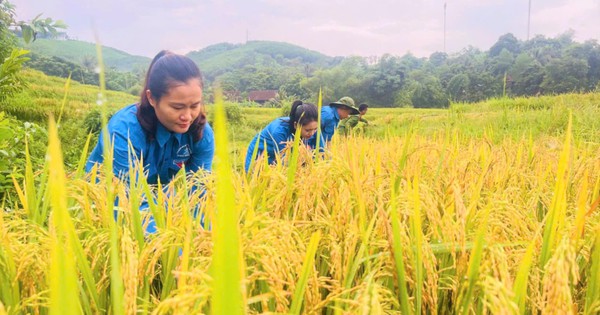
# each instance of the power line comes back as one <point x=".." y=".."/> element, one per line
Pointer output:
<point x="528" y="19"/>
<point x="445" y="27"/>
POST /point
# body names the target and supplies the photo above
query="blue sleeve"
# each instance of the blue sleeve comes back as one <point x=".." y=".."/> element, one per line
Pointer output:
<point x="120" y="137"/>
<point x="121" y="154"/>
<point x="328" y="123"/>
<point x="276" y="137"/>
<point x="328" y="129"/>
<point x="250" y="151"/>
<point x="203" y="151"/>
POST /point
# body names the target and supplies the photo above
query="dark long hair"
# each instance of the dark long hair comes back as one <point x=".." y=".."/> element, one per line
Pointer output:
<point x="166" y="70"/>
<point x="302" y="113"/>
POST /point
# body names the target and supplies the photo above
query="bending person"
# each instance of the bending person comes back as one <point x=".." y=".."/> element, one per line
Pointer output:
<point x="280" y="131"/>
<point x="167" y="128"/>
<point x="354" y="123"/>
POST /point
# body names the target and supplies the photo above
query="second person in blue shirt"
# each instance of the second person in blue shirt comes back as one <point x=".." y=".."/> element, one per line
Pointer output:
<point x="281" y="131"/>
<point x="332" y="115"/>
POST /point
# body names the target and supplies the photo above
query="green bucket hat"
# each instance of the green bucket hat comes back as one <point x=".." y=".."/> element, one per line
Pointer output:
<point x="348" y="103"/>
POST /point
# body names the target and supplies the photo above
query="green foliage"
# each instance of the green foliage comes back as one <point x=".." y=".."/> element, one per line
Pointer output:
<point x="427" y="92"/>
<point x="92" y="123"/>
<point x="457" y="87"/>
<point x="31" y="29"/>
<point x="537" y="66"/>
<point x="506" y="42"/>
<point x="233" y="112"/>
<point x="526" y="76"/>
<point x="10" y="81"/>
<point x="12" y="148"/>
<point x="7" y="39"/>
<point x="387" y="76"/>
<point x="565" y="75"/>
<point x="295" y="87"/>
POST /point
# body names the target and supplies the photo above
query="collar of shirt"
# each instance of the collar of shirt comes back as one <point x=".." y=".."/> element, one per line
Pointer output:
<point x="163" y="135"/>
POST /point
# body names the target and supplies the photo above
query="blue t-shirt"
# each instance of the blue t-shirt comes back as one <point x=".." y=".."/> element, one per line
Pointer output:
<point x="329" y="121"/>
<point x="163" y="157"/>
<point x="276" y="135"/>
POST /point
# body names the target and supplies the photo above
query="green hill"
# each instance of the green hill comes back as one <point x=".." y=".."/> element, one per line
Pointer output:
<point x="43" y="96"/>
<point x="221" y="58"/>
<point x="214" y="60"/>
<point x="76" y="51"/>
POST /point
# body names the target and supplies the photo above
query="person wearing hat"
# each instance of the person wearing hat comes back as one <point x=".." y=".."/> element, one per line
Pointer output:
<point x="354" y="122"/>
<point x="336" y="111"/>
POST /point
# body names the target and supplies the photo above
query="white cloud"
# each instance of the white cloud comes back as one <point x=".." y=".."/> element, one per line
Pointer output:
<point x="583" y="16"/>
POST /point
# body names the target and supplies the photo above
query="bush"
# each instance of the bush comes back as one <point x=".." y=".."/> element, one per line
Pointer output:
<point x="10" y="81"/>
<point x="93" y="121"/>
<point x="233" y="113"/>
<point x="285" y="109"/>
<point x="12" y="148"/>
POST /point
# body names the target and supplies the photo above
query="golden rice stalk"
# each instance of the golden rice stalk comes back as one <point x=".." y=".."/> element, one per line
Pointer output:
<point x="308" y="264"/>
<point x="129" y="264"/>
<point x="556" y="215"/>
<point x="561" y="275"/>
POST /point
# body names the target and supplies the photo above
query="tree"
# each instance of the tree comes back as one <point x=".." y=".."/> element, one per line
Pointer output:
<point x="10" y="82"/>
<point x="438" y="58"/>
<point x="427" y="91"/>
<point x="295" y="88"/>
<point x="500" y="64"/>
<point x="590" y="52"/>
<point x="565" y="75"/>
<point x="507" y="41"/>
<point x="387" y="77"/>
<point x="527" y="75"/>
<point x="10" y="66"/>
<point x="457" y="87"/>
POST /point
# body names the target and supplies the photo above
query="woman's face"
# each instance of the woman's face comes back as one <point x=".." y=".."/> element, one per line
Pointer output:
<point x="308" y="130"/>
<point x="180" y="106"/>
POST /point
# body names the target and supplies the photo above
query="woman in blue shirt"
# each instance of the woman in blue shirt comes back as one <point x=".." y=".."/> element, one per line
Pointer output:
<point x="167" y="129"/>
<point x="280" y="131"/>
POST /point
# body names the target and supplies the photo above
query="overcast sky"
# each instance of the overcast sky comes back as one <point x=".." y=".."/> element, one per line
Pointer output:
<point x="332" y="27"/>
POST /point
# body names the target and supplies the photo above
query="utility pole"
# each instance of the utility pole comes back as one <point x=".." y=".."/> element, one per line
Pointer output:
<point x="528" y="19"/>
<point x="445" y="27"/>
<point x="246" y="36"/>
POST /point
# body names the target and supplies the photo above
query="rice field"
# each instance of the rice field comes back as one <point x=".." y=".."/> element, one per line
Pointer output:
<point x="460" y="211"/>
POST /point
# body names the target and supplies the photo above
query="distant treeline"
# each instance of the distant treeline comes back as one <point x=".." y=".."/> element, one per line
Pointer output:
<point x="510" y="67"/>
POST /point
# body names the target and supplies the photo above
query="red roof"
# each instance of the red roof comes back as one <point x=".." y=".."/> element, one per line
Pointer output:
<point x="262" y="95"/>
